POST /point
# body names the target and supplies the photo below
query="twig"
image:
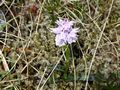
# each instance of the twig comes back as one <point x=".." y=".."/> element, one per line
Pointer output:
<point x="5" y="65"/>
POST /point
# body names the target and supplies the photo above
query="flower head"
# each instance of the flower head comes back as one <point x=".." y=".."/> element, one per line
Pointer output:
<point x="65" y="33"/>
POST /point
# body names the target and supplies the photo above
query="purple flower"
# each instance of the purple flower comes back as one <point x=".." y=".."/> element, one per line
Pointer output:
<point x="65" y="33"/>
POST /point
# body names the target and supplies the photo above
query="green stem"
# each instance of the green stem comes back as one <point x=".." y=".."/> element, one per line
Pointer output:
<point x="67" y="60"/>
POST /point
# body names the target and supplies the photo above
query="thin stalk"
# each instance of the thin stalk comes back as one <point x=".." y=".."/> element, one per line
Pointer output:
<point x="73" y="62"/>
<point x="67" y="60"/>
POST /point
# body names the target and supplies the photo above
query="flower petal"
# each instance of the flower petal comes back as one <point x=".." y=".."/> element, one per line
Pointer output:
<point x="56" y="30"/>
<point x="59" y="40"/>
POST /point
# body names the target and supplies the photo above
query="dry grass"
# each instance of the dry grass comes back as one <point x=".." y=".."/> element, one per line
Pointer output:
<point x="35" y="62"/>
